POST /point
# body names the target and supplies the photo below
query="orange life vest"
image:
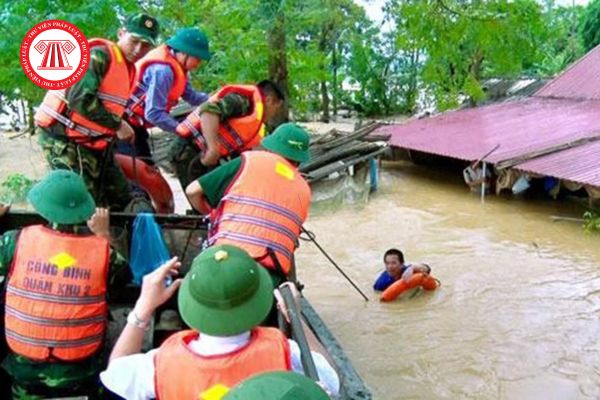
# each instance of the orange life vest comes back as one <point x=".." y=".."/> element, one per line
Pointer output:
<point x="56" y="295"/>
<point x="160" y="55"/>
<point x="264" y="207"/>
<point x="114" y="91"/>
<point x="236" y="134"/>
<point x="182" y="374"/>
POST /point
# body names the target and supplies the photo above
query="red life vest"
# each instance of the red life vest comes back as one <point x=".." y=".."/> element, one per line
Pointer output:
<point x="268" y="350"/>
<point x="56" y="295"/>
<point x="160" y="55"/>
<point x="263" y="207"/>
<point x="114" y="91"/>
<point x="236" y="134"/>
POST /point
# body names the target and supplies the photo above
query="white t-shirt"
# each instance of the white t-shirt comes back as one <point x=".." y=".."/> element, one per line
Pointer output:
<point x="132" y="377"/>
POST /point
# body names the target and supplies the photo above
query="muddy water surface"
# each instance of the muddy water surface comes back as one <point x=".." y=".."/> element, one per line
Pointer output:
<point x="516" y="316"/>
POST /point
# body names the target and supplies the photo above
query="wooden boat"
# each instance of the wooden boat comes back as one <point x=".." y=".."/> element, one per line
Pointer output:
<point x="183" y="235"/>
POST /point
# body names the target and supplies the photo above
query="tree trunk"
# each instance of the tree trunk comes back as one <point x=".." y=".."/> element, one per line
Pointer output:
<point x="323" y="84"/>
<point x="324" y="102"/>
<point x="475" y="69"/>
<point x="334" y="85"/>
<point x="412" y="94"/>
<point x="278" y="61"/>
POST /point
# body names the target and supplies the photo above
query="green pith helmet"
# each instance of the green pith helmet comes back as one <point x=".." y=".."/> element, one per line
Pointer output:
<point x="289" y="141"/>
<point x="62" y="197"/>
<point x="277" y="386"/>
<point x="143" y="26"/>
<point x="191" y="41"/>
<point x="226" y="292"/>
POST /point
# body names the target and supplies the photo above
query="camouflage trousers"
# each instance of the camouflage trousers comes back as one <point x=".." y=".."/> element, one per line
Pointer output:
<point x="103" y="177"/>
<point x="185" y="159"/>
<point x="36" y="381"/>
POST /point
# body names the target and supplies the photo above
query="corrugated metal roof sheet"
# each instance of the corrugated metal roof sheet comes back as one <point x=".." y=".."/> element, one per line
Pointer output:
<point x="580" y="164"/>
<point x="580" y="81"/>
<point x="520" y="127"/>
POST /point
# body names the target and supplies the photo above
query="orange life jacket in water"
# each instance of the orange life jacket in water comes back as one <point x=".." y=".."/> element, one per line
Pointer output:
<point x="182" y="374"/>
<point x="56" y="295"/>
<point x="114" y="92"/>
<point x="264" y="207"/>
<point x="160" y="55"/>
<point x="236" y="134"/>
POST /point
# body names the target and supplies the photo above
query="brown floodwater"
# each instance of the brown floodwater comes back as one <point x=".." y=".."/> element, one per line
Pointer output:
<point x="516" y="317"/>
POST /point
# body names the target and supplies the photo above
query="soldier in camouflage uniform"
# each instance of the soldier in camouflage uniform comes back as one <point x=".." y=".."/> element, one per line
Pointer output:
<point x="62" y="199"/>
<point x="185" y="155"/>
<point x="103" y="177"/>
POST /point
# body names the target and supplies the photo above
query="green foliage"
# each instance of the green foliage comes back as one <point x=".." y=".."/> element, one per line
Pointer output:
<point x="467" y="41"/>
<point x="562" y="44"/>
<point x="589" y="27"/>
<point x="591" y="222"/>
<point x="14" y="188"/>
<point x="331" y="54"/>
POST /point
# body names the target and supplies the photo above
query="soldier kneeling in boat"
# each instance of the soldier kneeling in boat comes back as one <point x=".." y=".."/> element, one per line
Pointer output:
<point x="223" y="298"/>
<point x="56" y="284"/>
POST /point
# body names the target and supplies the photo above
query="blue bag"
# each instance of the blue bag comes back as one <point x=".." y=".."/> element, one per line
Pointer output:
<point x="148" y="249"/>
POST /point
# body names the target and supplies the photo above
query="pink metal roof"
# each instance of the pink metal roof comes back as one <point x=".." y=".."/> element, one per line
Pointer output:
<point x="580" y="81"/>
<point x="580" y="164"/>
<point x="519" y="127"/>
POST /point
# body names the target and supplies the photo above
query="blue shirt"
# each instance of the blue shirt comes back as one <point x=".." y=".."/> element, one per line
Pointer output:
<point x="158" y="78"/>
<point x="385" y="280"/>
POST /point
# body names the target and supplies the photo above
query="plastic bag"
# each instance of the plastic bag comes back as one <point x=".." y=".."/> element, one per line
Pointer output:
<point x="148" y="248"/>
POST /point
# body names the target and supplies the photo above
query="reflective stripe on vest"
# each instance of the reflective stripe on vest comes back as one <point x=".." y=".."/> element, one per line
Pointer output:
<point x="268" y="350"/>
<point x="54" y="298"/>
<point x="56" y="295"/>
<point x="53" y="322"/>
<point x="160" y="55"/>
<point x="253" y="240"/>
<point x="236" y="134"/>
<point x="264" y="207"/>
<point x="54" y="343"/>
<point x="71" y="125"/>
<point x="113" y="91"/>
<point x="259" y="222"/>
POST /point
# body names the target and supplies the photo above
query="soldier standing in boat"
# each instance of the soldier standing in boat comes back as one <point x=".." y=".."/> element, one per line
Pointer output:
<point x="57" y="278"/>
<point x="77" y="127"/>
<point x="161" y="79"/>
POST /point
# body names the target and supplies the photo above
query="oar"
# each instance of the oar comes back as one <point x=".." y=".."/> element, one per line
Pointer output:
<point x="298" y="333"/>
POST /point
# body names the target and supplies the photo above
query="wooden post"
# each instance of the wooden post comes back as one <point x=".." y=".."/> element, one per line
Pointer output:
<point x="483" y="173"/>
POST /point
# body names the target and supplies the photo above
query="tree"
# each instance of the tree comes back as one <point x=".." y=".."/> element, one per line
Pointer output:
<point x="466" y="41"/>
<point x="562" y="43"/>
<point x="590" y="25"/>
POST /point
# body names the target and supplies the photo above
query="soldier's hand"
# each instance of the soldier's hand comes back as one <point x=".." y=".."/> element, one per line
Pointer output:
<point x="210" y="157"/>
<point x="154" y="290"/>
<point x="99" y="223"/>
<point x="125" y="131"/>
<point x="4" y="209"/>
